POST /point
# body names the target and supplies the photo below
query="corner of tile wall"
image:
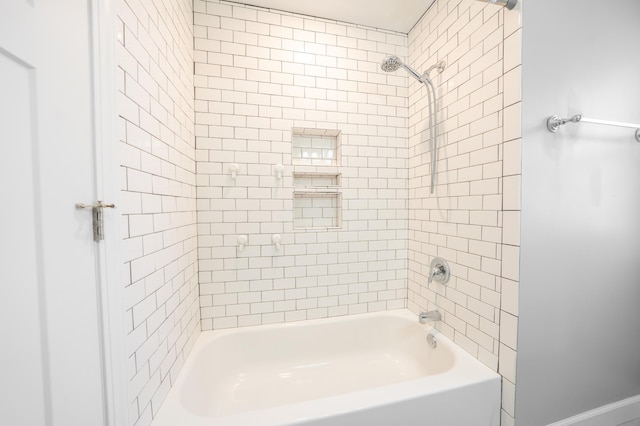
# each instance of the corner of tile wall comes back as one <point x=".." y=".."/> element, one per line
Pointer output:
<point x="473" y="219"/>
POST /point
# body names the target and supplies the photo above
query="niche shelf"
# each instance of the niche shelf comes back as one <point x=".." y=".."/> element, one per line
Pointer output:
<point x="315" y="147"/>
<point x="317" y="210"/>
<point x="317" y="180"/>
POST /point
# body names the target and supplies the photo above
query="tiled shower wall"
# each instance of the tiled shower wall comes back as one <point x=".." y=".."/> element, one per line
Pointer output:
<point x="157" y="157"/>
<point x="472" y="219"/>
<point x="260" y="73"/>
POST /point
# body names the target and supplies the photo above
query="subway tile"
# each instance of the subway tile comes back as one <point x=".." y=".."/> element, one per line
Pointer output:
<point x="509" y="296"/>
<point x="508" y="399"/>
<point x="513" y="86"/>
<point x="512" y="122"/>
<point x="508" y="329"/>
<point x="511" y="163"/>
<point x="511" y="262"/>
<point x="513" y="50"/>
<point x="511" y="228"/>
<point x="511" y="188"/>
<point x="325" y="75"/>
<point x="507" y="363"/>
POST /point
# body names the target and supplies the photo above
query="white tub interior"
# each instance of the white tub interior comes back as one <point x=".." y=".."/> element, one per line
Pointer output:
<point x="300" y="362"/>
<point x="327" y="370"/>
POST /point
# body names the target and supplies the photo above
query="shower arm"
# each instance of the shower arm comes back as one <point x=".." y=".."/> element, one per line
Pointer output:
<point x="413" y="72"/>
<point x="424" y="78"/>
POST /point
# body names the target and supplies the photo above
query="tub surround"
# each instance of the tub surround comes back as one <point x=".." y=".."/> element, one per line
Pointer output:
<point x="260" y="73"/>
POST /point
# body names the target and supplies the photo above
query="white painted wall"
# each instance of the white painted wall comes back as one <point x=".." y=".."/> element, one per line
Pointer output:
<point x="578" y="345"/>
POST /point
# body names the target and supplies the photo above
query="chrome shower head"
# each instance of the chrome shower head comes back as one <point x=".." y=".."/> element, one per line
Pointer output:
<point x="391" y="64"/>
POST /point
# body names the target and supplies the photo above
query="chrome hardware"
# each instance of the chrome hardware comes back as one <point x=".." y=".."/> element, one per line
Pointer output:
<point x="439" y="271"/>
<point x="431" y="340"/>
<point x="554" y="122"/>
<point x="393" y="63"/>
<point x="429" y="316"/>
<point x="99" y="205"/>
<point x="97" y="214"/>
<point x="440" y="66"/>
<point x="509" y="4"/>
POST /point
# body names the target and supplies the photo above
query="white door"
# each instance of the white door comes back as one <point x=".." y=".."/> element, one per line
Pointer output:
<point x="50" y="350"/>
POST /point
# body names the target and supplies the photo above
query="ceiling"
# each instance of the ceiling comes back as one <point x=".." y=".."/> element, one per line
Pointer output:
<point x="394" y="15"/>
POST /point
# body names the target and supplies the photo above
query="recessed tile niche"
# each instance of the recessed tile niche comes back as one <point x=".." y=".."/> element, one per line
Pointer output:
<point x="316" y="199"/>
<point x="315" y="147"/>
<point x="316" y="210"/>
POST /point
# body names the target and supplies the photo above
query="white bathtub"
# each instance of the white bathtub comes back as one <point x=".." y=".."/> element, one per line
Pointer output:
<point x="371" y="369"/>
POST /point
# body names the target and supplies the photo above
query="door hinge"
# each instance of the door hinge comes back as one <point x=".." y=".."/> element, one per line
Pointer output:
<point x="98" y="219"/>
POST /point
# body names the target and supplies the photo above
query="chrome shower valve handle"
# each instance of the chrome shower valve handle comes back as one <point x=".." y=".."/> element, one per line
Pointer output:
<point x="439" y="271"/>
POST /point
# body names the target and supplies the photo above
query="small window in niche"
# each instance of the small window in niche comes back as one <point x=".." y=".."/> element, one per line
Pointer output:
<point x="315" y="147"/>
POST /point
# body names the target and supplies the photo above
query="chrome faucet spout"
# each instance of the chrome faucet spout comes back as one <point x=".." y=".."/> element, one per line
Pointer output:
<point x="429" y="316"/>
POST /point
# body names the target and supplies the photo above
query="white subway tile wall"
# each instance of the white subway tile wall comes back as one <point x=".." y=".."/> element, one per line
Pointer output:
<point x="472" y="219"/>
<point x="157" y="154"/>
<point x="259" y="74"/>
<point x="262" y="76"/>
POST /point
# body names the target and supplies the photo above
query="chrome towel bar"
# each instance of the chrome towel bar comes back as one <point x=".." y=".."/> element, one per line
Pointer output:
<point x="554" y="122"/>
